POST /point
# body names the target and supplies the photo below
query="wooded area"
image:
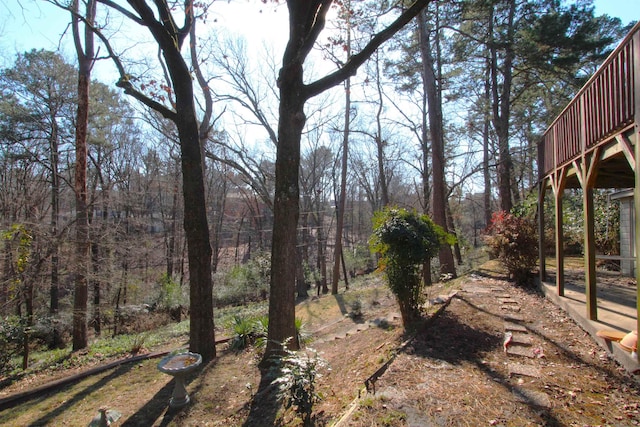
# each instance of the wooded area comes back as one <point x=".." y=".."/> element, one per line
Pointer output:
<point x="210" y="159"/>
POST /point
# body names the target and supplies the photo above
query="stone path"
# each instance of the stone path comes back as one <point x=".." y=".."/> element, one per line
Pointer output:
<point x="518" y="347"/>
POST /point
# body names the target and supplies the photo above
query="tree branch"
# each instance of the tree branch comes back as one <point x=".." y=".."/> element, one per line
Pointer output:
<point x="352" y="65"/>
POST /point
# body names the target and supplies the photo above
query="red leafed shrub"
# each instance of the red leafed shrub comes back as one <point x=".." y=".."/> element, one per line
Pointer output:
<point x="514" y="241"/>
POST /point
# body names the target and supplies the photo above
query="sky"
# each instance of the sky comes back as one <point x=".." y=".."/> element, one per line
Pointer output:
<point x="29" y="24"/>
<point x="35" y="24"/>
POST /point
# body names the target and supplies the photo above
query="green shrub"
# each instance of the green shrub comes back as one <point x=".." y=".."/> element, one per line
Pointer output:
<point x="514" y="241"/>
<point x="245" y="332"/>
<point x="405" y="240"/>
<point x="11" y="340"/>
<point x="244" y="283"/>
<point x="171" y="295"/>
<point x="297" y="373"/>
<point x="248" y="331"/>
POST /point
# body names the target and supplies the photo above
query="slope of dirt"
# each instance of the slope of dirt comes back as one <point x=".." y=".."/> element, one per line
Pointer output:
<point x="455" y="371"/>
<point x="500" y="355"/>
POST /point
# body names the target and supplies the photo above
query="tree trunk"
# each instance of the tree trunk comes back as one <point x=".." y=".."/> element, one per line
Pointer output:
<point x="486" y="173"/>
<point x="380" y="143"/>
<point x="85" y="63"/>
<point x="452" y="230"/>
<point x="432" y="86"/>
<point x="95" y="262"/>
<point x="337" y="252"/>
<point x="55" y="211"/>
<point x="285" y="209"/>
<point x="501" y="97"/>
<point x="301" y="283"/>
<point x="199" y="252"/>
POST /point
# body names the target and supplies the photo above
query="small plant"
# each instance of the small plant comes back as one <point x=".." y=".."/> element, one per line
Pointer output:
<point x="513" y="240"/>
<point x="303" y="336"/>
<point x="245" y="332"/>
<point x="296" y="381"/>
<point x="262" y="329"/>
<point x="356" y="309"/>
<point x="248" y="331"/>
<point x="137" y="343"/>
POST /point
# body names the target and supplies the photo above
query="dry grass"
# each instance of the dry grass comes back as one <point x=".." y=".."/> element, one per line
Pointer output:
<point x="454" y="373"/>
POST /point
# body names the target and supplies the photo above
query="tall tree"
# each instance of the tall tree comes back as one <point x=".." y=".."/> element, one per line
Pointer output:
<point x="346" y="132"/>
<point x="38" y="93"/>
<point x="85" y="53"/>
<point x="432" y="81"/>
<point x="520" y="48"/>
<point x="306" y="22"/>
<point x="158" y="18"/>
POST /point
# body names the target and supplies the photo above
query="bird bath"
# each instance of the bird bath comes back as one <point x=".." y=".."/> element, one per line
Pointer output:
<point x="178" y="366"/>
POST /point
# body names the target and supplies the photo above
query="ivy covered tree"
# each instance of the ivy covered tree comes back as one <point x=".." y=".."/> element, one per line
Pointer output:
<point x="405" y="240"/>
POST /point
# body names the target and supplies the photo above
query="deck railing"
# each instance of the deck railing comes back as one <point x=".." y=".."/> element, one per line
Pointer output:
<point x="604" y="105"/>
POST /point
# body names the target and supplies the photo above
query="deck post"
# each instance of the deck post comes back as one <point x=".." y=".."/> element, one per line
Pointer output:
<point x="636" y="191"/>
<point x="541" y="245"/>
<point x="558" y="184"/>
<point x="589" y="254"/>
<point x="559" y="242"/>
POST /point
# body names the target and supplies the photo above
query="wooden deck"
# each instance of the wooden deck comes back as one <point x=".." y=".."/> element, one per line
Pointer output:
<point x="598" y="125"/>
<point x="594" y="143"/>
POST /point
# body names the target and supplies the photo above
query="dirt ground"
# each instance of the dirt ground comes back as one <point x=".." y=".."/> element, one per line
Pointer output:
<point x="454" y="371"/>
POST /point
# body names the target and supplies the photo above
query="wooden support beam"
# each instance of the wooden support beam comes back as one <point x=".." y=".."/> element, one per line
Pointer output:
<point x="627" y="149"/>
<point x="587" y="171"/>
<point x="542" y="188"/>
<point x="636" y="192"/>
<point x="558" y="182"/>
<point x="589" y="254"/>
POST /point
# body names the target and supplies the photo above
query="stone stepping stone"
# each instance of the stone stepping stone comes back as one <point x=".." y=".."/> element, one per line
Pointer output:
<point x="532" y="397"/>
<point x="510" y="307"/>
<point x="514" y="317"/>
<point x="508" y="301"/>
<point x="514" y="327"/>
<point x="524" y="370"/>
<point x="517" y="350"/>
<point x="476" y="290"/>
<point x="521" y="338"/>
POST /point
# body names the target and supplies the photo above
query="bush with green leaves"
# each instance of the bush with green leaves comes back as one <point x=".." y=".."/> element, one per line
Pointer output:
<point x="405" y="241"/>
<point x="358" y="259"/>
<point x="171" y="295"/>
<point x="606" y="220"/>
<point x="514" y="241"/>
<point x="12" y="331"/>
<point x="248" y="331"/>
<point x="244" y="283"/>
<point x="296" y="374"/>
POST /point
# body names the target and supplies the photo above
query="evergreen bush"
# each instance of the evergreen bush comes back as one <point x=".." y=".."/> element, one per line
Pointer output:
<point x="405" y="240"/>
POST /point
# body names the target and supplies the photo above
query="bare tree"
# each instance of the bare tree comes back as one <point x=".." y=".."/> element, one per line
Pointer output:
<point x="158" y="18"/>
<point x="306" y="22"/>
<point x="85" y="54"/>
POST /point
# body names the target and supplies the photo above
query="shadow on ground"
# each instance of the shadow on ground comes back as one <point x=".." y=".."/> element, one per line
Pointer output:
<point x="159" y="404"/>
<point x="47" y="417"/>
<point x="264" y="405"/>
<point x="456" y="341"/>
